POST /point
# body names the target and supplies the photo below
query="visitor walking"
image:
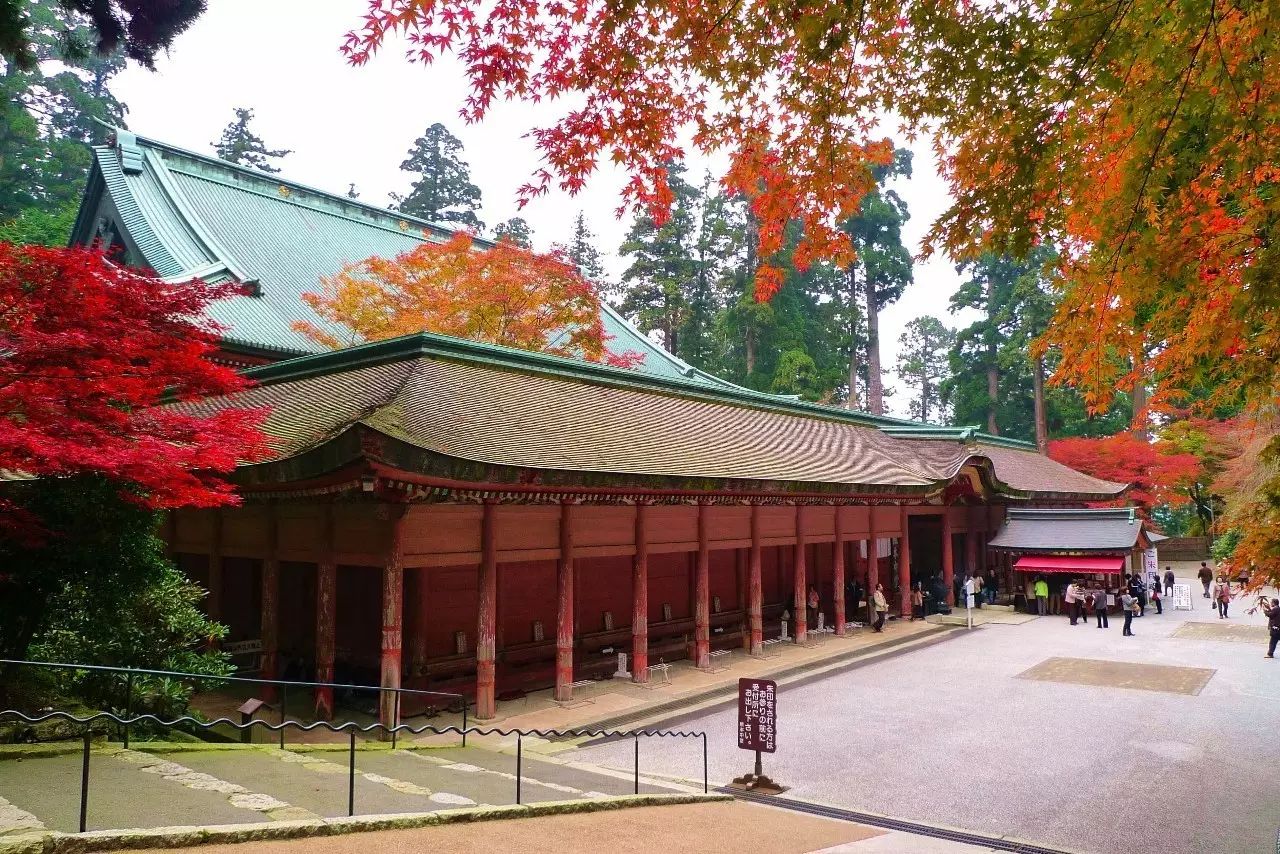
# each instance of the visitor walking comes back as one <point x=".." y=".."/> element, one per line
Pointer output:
<point x="1206" y="577"/>
<point x="1168" y="581"/>
<point x="881" y="607"/>
<point x="976" y="591"/>
<point x="1042" y="595"/>
<point x="1130" y="605"/>
<point x="917" y="602"/>
<point x="1273" y="623"/>
<point x="813" y="607"/>
<point x="1222" y="594"/>
<point x="1156" y="596"/>
<point x="992" y="586"/>
<point x="1100" y="606"/>
<point x="1055" y="599"/>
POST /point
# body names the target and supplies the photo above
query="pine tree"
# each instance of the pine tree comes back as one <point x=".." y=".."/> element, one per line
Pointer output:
<point x="515" y="230"/>
<point x="652" y="292"/>
<point x="584" y="255"/>
<point x="443" y="192"/>
<point x="240" y="145"/>
<point x="47" y="121"/>
<point x="923" y="362"/>
<point x="883" y="264"/>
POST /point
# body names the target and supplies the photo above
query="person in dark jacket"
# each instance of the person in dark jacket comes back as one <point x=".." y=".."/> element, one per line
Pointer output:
<point x="1100" y="606"/>
<point x="1168" y="581"/>
<point x="1206" y="577"/>
<point x="1273" y="623"/>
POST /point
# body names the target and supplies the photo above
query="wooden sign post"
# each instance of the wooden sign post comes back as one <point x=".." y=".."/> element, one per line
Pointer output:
<point x="758" y="731"/>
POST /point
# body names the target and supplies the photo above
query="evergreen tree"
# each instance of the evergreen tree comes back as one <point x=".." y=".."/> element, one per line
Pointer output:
<point x="515" y="230"/>
<point x="923" y="362"/>
<point x="240" y="145"/>
<point x="443" y="192"/>
<point x="47" y="117"/>
<point x="883" y="264"/>
<point x="584" y="255"/>
<point x="653" y="288"/>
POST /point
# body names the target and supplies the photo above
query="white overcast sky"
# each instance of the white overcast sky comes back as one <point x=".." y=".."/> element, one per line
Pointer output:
<point x="347" y="124"/>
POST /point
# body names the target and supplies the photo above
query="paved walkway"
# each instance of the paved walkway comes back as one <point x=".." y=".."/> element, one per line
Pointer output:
<point x="730" y="827"/>
<point x="961" y="734"/>
<point x="159" y="788"/>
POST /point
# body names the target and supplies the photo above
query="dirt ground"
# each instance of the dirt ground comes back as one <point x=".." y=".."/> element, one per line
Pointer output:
<point x="728" y="826"/>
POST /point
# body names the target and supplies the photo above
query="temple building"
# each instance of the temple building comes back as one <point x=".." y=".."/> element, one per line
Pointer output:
<point x="449" y="515"/>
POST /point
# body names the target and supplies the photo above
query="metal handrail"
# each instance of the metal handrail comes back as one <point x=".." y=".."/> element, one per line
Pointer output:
<point x="283" y="684"/>
<point x="351" y="727"/>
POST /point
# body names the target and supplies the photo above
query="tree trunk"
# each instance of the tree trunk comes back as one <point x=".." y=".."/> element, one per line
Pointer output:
<point x="875" y="383"/>
<point x="1141" y="422"/>
<point x="924" y="398"/>
<point x="1042" y="419"/>
<point x="993" y="390"/>
<point x="851" y="402"/>
<point x="753" y="240"/>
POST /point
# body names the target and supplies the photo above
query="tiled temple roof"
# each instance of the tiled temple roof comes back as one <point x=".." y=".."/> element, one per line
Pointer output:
<point x="1103" y="530"/>
<point x="189" y="215"/>
<point x="499" y="410"/>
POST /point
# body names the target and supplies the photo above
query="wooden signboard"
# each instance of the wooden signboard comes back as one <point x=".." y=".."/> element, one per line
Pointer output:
<point x="758" y="715"/>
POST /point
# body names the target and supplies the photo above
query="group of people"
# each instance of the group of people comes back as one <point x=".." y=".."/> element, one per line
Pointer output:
<point x="1134" y="595"/>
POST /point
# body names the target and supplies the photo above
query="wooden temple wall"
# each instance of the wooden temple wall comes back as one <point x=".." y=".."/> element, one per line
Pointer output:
<point x="367" y="591"/>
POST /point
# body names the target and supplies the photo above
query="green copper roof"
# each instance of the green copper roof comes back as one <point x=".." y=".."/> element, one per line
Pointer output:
<point x="188" y="214"/>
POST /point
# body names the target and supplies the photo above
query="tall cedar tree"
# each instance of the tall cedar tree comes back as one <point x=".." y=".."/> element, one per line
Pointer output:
<point x="137" y="29"/>
<point x="48" y="113"/>
<point x="883" y="263"/>
<point x="90" y="350"/>
<point x="1128" y="133"/>
<point x="924" y="349"/>
<point x="240" y="145"/>
<point x="443" y="192"/>
<point x="584" y="255"/>
<point x="652" y="291"/>
<point x="505" y="295"/>
<point x="515" y="230"/>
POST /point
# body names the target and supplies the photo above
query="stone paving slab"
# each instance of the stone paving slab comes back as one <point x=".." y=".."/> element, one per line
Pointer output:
<point x="1121" y="674"/>
<point x="120" y="795"/>
<point x="318" y="784"/>
<point x="562" y="776"/>
<point x="1224" y="630"/>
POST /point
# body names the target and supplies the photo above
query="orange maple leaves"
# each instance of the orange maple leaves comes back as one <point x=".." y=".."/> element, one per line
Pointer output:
<point x="779" y="87"/>
<point x="502" y="295"/>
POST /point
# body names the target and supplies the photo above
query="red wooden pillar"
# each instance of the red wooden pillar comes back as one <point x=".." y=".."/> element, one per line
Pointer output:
<point x="564" y="606"/>
<point x="702" y="596"/>
<point x="415" y="618"/>
<point x="948" y="558"/>
<point x="270" y="631"/>
<point x="487" y="617"/>
<point x="640" y="600"/>
<point x="904" y="567"/>
<point x="873" y="564"/>
<point x="326" y="614"/>
<point x="755" y="589"/>
<point x="801" y="589"/>
<point x="213" y="604"/>
<point x="971" y="541"/>
<point x="837" y="572"/>
<point x="392" y="622"/>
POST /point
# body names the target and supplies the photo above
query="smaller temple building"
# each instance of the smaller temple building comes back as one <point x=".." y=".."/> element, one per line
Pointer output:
<point x="1101" y="544"/>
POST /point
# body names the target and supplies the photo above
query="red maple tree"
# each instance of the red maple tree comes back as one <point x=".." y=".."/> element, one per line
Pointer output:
<point x="88" y="351"/>
<point x="1159" y="472"/>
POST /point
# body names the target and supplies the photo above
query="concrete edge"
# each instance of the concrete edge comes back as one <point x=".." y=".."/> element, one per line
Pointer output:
<point x="56" y="842"/>
<point x="713" y="699"/>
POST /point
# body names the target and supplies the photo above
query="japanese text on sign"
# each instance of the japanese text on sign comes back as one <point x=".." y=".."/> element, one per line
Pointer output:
<point x="758" y="715"/>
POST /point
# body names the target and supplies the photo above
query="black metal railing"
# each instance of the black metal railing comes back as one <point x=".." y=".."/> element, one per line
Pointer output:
<point x="132" y="673"/>
<point x="352" y="728"/>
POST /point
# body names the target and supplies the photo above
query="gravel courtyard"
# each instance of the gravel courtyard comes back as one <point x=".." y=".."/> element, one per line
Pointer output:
<point x="1096" y="757"/>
